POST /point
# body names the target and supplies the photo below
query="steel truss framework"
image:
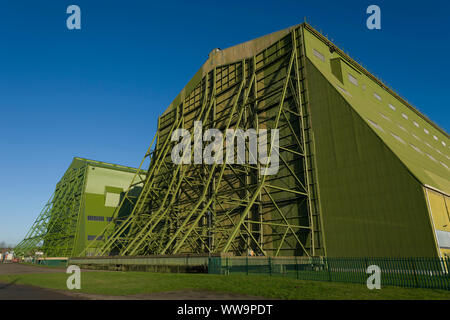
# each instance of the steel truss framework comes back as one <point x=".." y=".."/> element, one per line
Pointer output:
<point x="222" y="208"/>
<point x="55" y="230"/>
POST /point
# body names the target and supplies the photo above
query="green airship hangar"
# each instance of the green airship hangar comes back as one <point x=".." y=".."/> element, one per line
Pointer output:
<point x="362" y="172"/>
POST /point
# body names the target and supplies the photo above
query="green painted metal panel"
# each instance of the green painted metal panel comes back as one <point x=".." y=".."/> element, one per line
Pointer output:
<point x="79" y="208"/>
<point x="371" y="204"/>
<point x="361" y="151"/>
<point x="252" y="89"/>
<point x="419" y="143"/>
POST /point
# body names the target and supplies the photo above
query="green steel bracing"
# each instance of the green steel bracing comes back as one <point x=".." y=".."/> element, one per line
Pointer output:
<point x="55" y="230"/>
<point x="61" y="234"/>
<point x="34" y="239"/>
<point x="361" y="172"/>
<point x="219" y="208"/>
<point x="83" y="202"/>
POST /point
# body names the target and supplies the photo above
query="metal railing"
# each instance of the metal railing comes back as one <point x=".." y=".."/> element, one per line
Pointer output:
<point x="430" y="273"/>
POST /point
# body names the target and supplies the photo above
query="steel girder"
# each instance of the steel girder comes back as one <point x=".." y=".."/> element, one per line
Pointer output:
<point x="55" y="230"/>
<point x="222" y="207"/>
<point x="34" y="238"/>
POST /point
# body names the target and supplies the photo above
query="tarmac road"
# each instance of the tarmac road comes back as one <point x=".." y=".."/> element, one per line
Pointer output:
<point x="11" y="291"/>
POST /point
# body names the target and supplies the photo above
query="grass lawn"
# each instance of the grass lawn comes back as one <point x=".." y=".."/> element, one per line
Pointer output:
<point x="127" y="283"/>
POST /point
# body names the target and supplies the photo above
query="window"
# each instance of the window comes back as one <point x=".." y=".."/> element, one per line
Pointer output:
<point x="344" y="91"/>
<point x="416" y="124"/>
<point x="375" y="125"/>
<point x="443" y="143"/>
<point x="398" y="138"/>
<point x="435" y="138"/>
<point x="431" y="157"/>
<point x="415" y="148"/>
<point x="392" y="107"/>
<point x="385" y="117"/>
<point x="95" y="218"/>
<point x="428" y="145"/>
<point x="444" y="165"/>
<point x="405" y="116"/>
<point x="319" y="55"/>
<point x="416" y="137"/>
<point x="352" y="79"/>
<point x="377" y="96"/>
<point x="402" y="128"/>
<point x="426" y="131"/>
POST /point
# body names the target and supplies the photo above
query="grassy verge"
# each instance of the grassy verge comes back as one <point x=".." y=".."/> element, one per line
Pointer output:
<point x="128" y="283"/>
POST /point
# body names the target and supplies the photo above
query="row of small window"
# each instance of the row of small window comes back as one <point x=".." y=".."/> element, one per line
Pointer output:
<point x="376" y="125"/>
<point x="417" y="138"/>
<point x="406" y="118"/>
<point x="417" y="125"/>
<point x="91" y="238"/>
<point x="354" y="81"/>
<point x="98" y="218"/>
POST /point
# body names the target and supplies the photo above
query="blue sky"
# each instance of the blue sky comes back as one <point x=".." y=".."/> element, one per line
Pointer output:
<point x="97" y="92"/>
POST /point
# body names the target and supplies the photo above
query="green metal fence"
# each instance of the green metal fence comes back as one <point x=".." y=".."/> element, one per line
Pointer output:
<point x="52" y="262"/>
<point x="404" y="272"/>
<point x="153" y="263"/>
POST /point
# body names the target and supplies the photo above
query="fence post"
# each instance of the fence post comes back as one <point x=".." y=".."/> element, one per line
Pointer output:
<point x="209" y="265"/>
<point x="447" y="272"/>
<point x="328" y="268"/>
<point x="228" y="271"/>
<point x="270" y="266"/>
<point x="296" y="266"/>
<point x="246" y="267"/>
<point x="414" y="272"/>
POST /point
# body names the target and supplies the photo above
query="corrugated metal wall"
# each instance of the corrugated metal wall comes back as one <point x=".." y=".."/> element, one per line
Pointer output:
<point x="371" y="204"/>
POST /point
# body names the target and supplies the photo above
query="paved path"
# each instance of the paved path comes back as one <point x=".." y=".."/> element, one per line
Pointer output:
<point x="11" y="291"/>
